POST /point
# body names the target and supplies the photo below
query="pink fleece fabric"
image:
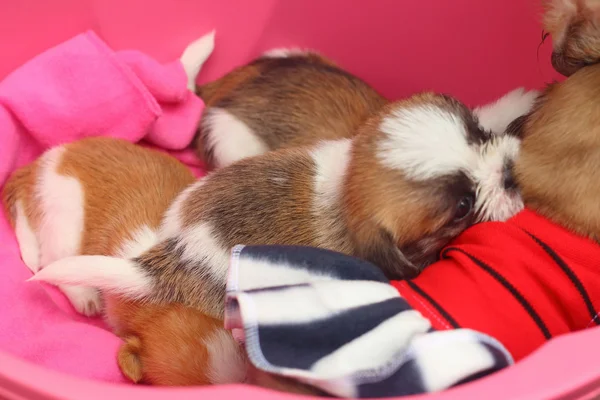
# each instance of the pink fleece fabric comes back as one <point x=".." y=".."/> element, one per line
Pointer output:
<point x="77" y="89"/>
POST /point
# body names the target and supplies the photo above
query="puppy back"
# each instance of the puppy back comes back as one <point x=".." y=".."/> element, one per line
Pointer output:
<point x="282" y="102"/>
<point x="127" y="187"/>
<point x="558" y="168"/>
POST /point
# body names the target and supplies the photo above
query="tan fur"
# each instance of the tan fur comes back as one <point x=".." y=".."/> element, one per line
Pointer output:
<point x="119" y="187"/>
<point x="127" y="187"/>
<point x="559" y="166"/>
<point x="575" y="29"/>
<point x="20" y="187"/>
<point x="291" y="101"/>
<point x="164" y="345"/>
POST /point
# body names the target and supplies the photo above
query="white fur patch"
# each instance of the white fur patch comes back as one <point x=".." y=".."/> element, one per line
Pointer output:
<point x="227" y="363"/>
<point x="86" y="300"/>
<point x="425" y="142"/>
<point x="28" y="243"/>
<point x="141" y="241"/>
<point x="112" y="274"/>
<point x="497" y="115"/>
<point x="199" y="243"/>
<point x="171" y="223"/>
<point x="283" y="52"/>
<point x="229" y="138"/>
<point x="61" y="202"/>
<point x="494" y="202"/>
<point x="195" y="55"/>
<point x="331" y="161"/>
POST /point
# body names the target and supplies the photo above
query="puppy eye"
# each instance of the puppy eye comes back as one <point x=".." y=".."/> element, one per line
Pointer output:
<point x="464" y="208"/>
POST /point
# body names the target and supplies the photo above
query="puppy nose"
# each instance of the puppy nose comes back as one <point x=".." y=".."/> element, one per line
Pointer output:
<point x="508" y="178"/>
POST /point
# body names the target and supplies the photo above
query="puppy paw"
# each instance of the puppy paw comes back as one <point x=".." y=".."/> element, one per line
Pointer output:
<point x="85" y="300"/>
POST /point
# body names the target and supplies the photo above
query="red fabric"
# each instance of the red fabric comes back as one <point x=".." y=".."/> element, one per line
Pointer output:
<point x="476" y="300"/>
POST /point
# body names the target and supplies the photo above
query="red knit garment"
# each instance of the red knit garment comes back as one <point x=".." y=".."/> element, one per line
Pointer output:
<point x="522" y="282"/>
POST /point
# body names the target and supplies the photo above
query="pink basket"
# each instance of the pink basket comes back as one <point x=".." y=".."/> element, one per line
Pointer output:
<point x="476" y="50"/>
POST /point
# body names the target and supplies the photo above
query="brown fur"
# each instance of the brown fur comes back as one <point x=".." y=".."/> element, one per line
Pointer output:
<point x="292" y="101"/>
<point x="559" y="167"/>
<point x="20" y="186"/>
<point x="164" y="345"/>
<point x="404" y="212"/>
<point x="267" y="200"/>
<point x="121" y="192"/>
<point x="575" y="29"/>
<point x="127" y="187"/>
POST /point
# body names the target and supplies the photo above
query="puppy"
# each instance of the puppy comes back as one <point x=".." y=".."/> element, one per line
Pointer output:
<point x="498" y="197"/>
<point x="290" y="98"/>
<point x="575" y="29"/>
<point x="286" y="98"/>
<point x="106" y="197"/>
<point x="394" y="195"/>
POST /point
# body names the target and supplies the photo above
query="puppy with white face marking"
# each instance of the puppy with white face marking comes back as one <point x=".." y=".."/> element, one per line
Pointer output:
<point x="106" y="196"/>
<point x="498" y="197"/>
<point x="394" y="195"/>
<point x="286" y="98"/>
<point x="289" y="98"/>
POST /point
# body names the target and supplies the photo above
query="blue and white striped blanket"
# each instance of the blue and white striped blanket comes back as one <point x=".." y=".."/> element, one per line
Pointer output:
<point x="334" y="322"/>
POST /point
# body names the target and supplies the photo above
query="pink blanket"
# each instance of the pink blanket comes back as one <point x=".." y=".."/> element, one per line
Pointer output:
<point x="79" y="88"/>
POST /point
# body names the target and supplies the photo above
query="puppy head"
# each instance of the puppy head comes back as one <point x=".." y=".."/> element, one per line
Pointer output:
<point x="410" y="187"/>
<point x="558" y="168"/>
<point x="498" y="197"/>
<point x="575" y="29"/>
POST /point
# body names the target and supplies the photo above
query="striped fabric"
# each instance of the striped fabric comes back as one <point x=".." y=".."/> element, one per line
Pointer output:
<point x="334" y="322"/>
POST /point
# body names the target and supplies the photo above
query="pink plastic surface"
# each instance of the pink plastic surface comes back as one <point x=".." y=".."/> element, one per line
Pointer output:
<point x="473" y="49"/>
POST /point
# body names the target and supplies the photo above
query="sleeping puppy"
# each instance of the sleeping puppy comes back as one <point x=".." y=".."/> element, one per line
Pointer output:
<point x="394" y="195"/>
<point x="498" y="197"/>
<point x="290" y="98"/>
<point x="107" y="196"/>
<point x="539" y="271"/>
<point x="286" y="98"/>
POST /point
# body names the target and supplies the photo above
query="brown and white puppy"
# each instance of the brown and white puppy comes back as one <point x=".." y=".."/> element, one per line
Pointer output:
<point x="106" y="196"/>
<point x="394" y="194"/>
<point x="290" y="98"/>
<point x="286" y="98"/>
<point x="575" y="29"/>
<point x="498" y="197"/>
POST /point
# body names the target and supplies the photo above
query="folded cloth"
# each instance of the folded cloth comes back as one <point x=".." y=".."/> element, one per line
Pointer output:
<point x="82" y="88"/>
<point x="523" y="281"/>
<point x="77" y="89"/>
<point x="334" y="322"/>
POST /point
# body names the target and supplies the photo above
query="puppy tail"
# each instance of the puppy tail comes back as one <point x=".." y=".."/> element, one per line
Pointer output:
<point x="14" y="189"/>
<point x="129" y="360"/>
<point x="155" y="276"/>
<point x="498" y="115"/>
<point x="195" y="55"/>
<point x="111" y="274"/>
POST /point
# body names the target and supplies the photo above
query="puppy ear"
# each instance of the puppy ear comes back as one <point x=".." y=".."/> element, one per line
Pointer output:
<point x="557" y="17"/>
<point x="128" y="359"/>
<point x="381" y="250"/>
<point x="515" y="128"/>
